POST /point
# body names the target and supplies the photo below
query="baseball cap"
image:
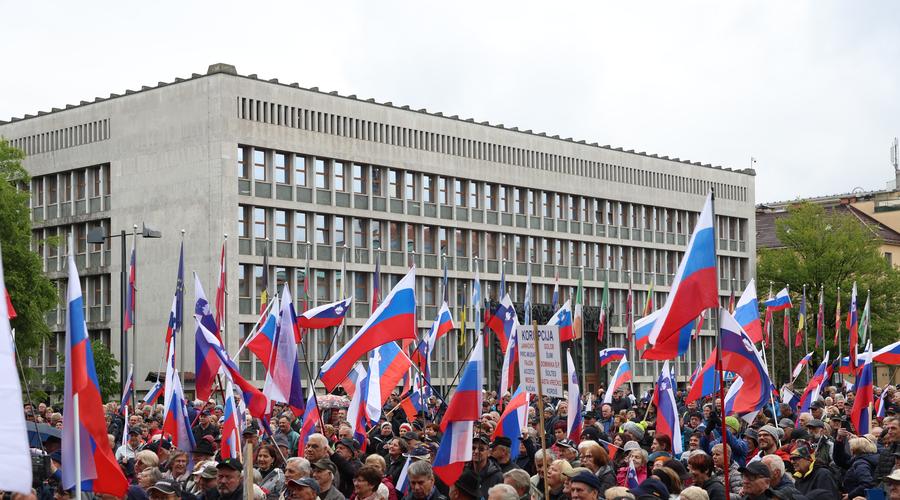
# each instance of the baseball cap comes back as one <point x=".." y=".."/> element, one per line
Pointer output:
<point x="588" y="479"/>
<point x="893" y="477"/>
<point x="501" y="441"/>
<point x="231" y="463"/>
<point x="306" y="482"/>
<point x="166" y="487"/>
<point x="816" y="423"/>
<point x="325" y="464"/>
<point x="756" y="469"/>
<point x="207" y="471"/>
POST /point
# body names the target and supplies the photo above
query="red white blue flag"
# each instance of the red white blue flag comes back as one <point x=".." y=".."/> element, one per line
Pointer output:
<point x="563" y="318"/>
<point x="395" y="319"/>
<point x="83" y="406"/>
<point x="326" y="315"/>
<point x="622" y="375"/>
<point x="694" y="289"/>
<point x="667" y="423"/>
<point x="207" y="362"/>
<point x="611" y="354"/>
<point x="129" y="292"/>
<point x="283" y="378"/>
<point x="513" y="421"/>
<point x="746" y="312"/>
<point x="860" y="414"/>
<point x="574" y="422"/>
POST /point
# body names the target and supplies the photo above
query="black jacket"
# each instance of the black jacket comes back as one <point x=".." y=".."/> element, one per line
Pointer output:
<point x="714" y="488"/>
<point x="435" y="495"/>
<point x="818" y="478"/>
<point x="213" y="494"/>
<point x="787" y="491"/>
<point x="886" y="461"/>
<point x="860" y="475"/>
<point x="488" y="477"/>
<point x="346" y="472"/>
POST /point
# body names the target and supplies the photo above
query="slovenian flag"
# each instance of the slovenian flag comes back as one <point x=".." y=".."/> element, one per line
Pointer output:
<point x="611" y="354"/>
<point x="513" y="421"/>
<point x="747" y="313"/>
<point x="623" y="375"/>
<point x="574" y="422"/>
<point x="694" y="289"/>
<point x="326" y="315"/>
<point x="667" y="412"/>
<point x="865" y="396"/>
<point x="563" y="318"/>
<point x="100" y="473"/>
<point x="394" y="319"/>
<point x="803" y="362"/>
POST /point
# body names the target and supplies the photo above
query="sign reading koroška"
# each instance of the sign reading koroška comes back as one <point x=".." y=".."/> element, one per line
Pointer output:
<point x="551" y="359"/>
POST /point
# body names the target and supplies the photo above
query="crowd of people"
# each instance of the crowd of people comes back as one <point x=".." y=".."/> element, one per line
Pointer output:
<point x="814" y="455"/>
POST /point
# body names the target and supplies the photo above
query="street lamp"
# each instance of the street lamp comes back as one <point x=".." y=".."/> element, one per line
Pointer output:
<point x="98" y="236"/>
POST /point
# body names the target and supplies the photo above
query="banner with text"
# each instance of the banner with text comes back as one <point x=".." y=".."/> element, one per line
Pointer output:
<point x="551" y="359"/>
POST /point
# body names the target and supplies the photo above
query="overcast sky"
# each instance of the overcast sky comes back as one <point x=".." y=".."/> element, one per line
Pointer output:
<point x="809" y="88"/>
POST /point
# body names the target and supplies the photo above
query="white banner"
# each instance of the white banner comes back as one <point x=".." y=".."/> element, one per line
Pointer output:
<point x="551" y="359"/>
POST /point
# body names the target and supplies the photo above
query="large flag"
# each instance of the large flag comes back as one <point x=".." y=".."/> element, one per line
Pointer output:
<point x="611" y="354"/>
<point x="326" y="315"/>
<point x="393" y="365"/>
<point x="83" y="409"/>
<point x="815" y="385"/>
<point x="865" y="319"/>
<point x="704" y="382"/>
<point x="803" y="362"/>
<point x="230" y="444"/>
<point x="513" y="420"/>
<point x="262" y="341"/>
<point x="15" y="458"/>
<point x="644" y="326"/>
<point x="889" y="354"/>
<point x="604" y="304"/>
<point x="510" y="360"/>
<point x="667" y="423"/>
<point x="865" y="397"/>
<point x="574" y="423"/>
<point x="780" y="302"/>
<point x="256" y="401"/>
<point x="153" y="394"/>
<point x="578" y="317"/>
<point x="356" y="413"/>
<point x="283" y="380"/>
<point x="129" y="290"/>
<point x="694" y="289"/>
<point x="741" y="357"/>
<point x="221" y="290"/>
<point x="459" y="420"/>
<point x="746" y="312"/>
<point x="503" y="321"/>
<point x="563" y="318"/>
<point x="176" y="421"/>
<point x="853" y="326"/>
<point x="623" y="375"/>
<point x="374" y="389"/>
<point x="394" y="319"/>
<point x="801" y="320"/>
<point x="207" y="363"/>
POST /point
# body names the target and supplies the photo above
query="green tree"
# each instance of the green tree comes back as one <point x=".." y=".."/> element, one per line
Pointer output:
<point x="105" y="365"/>
<point x="829" y="249"/>
<point x="31" y="293"/>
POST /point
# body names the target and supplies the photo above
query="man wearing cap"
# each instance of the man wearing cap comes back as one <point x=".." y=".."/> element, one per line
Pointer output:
<point x="651" y="489"/>
<point x="809" y="474"/>
<point x="487" y="471"/>
<point x="347" y="463"/>
<point x="323" y="471"/>
<point x="821" y="441"/>
<point x="203" y="450"/>
<point x="304" y="488"/>
<point x="584" y="486"/>
<point x="229" y="482"/>
<point x="128" y="450"/>
<point x="501" y="451"/>
<point x="203" y="478"/>
<point x="892" y="485"/>
<point x="755" y="481"/>
<point x="165" y="489"/>
<point x="466" y="487"/>
<point x="205" y="427"/>
<point x="421" y="482"/>
<point x="817" y="409"/>
<point x="568" y="451"/>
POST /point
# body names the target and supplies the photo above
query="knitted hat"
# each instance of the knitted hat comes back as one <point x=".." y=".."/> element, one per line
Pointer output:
<point x="636" y="430"/>
<point x="733" y="424"/>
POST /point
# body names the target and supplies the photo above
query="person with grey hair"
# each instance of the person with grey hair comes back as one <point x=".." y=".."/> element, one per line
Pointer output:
<point x="502" y="491"/>
<point x="542" y="458"/>
<point x="297" y="468"/>
<point x="421" y="482"/>
<point x="520" y="480"/>
<point x="780" y="481"/>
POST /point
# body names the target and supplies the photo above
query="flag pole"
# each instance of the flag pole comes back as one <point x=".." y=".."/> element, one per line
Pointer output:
<point x="770" y="332"/>
<point x="581" y="327"/>
<point x="837" y="326"/>
<point x="540" y="390"/>
<point x="805" y="330"/>
<point x="180" y="328"/>
<point x="721" y="373"/>
<point x="223" y="326"/>
<point x="787" y="331"/>
<point x="134" y="298"/>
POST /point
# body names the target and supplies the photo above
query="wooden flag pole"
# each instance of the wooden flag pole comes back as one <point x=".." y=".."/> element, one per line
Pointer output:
<point x="540" y="390"/>
<point x="248" y="470"/>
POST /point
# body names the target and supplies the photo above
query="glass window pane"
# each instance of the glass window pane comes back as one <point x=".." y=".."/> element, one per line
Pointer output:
<point x="280" y="168"/>
<point x="321" y="174"/>
<point x="259" y="165"/>
<point x="259" y="223"/>
<point x="323" y="231"/>
<point x="338" y="176"/>
<point x="300" y="170"/>
<point x="300" y="227"/>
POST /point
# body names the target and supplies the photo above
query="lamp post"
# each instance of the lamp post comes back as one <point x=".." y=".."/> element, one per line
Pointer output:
<point x="98" y="236"/>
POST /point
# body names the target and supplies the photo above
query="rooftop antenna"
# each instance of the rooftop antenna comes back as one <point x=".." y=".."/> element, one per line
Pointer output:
<point x="895" y="161"/>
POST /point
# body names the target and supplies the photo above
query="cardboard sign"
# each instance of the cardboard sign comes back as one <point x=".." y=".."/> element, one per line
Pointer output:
<point x="551" y="360"/>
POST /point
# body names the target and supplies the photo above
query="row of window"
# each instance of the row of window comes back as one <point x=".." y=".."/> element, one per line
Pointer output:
<point x="343" y="176"/>
<point x="64" y="187"/>
<point x="67" y="137"/>
<point x="354" y="128"/>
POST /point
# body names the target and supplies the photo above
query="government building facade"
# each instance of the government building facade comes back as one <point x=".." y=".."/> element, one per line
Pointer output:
<point x="300" y="175"/>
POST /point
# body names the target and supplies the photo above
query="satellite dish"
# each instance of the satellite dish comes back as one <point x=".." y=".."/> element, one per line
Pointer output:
<point x="858" y="190"/>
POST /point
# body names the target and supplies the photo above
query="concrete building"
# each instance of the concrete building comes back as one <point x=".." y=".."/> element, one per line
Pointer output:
<point x="300" y="172"/>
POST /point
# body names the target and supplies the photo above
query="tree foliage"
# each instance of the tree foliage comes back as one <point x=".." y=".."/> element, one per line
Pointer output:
<point x="830" y="249"/>
<point x="105" y="365"/>
<point x="31" y="293"/>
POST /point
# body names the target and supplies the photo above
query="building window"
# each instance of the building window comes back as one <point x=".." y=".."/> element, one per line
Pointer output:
<point x="573" y="208"/>
<point x="490" y="201"/>
<point x="461" y="246"/>
<point x="545" y="203"/>
<point x="323" y="286"/>
<point x="473" y="195"/>
<point x="321" y="174"/>
<point x="300" y="227"/>
<point x="377" y="182"/>
<point x="428" y="188"/>
<point x="501" y="195"/>
<point x="428" y="239"/>
<point x="442" y="190"/>
<point x="394" y="184"/>
<point x="360" y="287"/>
<point x="411" y="186"/>
<point x="300" y="170"/>
<point x="80" y="184"/>
<point x="65" y="188"/>
<point x="532" y="206"/>
<point x="339" y="231"/>
<point x="430" y="288"/>
<point x="339" y="176"/>
<point x="491" y="244"/>
<point x="281" y="175"/>
<point x="323" y="231"/>
<point x="281" y="226"/>
<point x="259" y="223"/>
<point x="557" y="202"/>
<point x="889" y="258"/>
<point x="359" y="179"/>
<point x="37" y="192"/>
<point x="241" y="165"/>
<point x="517" y="201"/>
<point x="460" y="193"/>
<point x="51" y="190"/>
<point x="396" y="243"/>
<point x="359" y="233"/>
<point x="442" y="238"/>
<point x="259" y="165"/>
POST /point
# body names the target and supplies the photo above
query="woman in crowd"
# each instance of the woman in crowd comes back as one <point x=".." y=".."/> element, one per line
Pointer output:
<point x="595" y="459"/>
<point x="268" y="463"/>
<point x="365" y="483"/>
